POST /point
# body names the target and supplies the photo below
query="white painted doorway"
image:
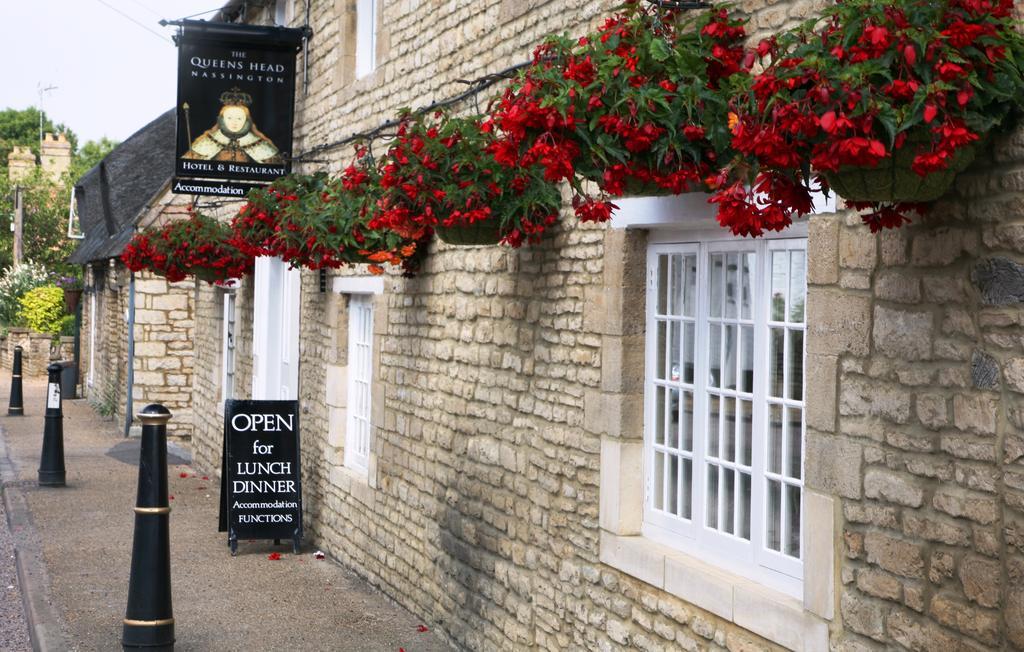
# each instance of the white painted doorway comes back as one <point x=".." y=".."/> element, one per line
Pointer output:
<point x="275" y="330"/>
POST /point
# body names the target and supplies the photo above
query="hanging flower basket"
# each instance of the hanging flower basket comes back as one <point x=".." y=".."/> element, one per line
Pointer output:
<point x="893" y="180"/>
<point x="639" y="107"/>
<point x="478" y="233"/>
<point x="71" y="299"/>
<point x="884" y="102"/>
<point x="199" y="246"/>
<point x="442" y="174"/>
<point x="321" y="222"/>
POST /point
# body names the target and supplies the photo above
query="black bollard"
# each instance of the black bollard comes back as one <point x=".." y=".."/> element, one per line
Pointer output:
<point x="17" y="407"/>
<point x="51" y="462"/>
<point x="148" y="621"/>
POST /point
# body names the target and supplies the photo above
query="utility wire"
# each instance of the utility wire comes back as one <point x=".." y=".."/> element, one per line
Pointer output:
<point x="126" y="16"/>
<point x="201" y="13"/>
<point x="146" y="7"/>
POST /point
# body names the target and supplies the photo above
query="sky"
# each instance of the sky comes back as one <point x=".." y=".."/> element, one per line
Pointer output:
<point x="111" y="76"/>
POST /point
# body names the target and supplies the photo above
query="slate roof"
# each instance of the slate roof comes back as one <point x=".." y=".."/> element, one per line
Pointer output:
<point x="117" y="192"/>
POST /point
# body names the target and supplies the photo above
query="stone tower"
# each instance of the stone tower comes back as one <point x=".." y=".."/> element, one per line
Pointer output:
<point x="20" y="163"/>
<point x="55" y="153"/>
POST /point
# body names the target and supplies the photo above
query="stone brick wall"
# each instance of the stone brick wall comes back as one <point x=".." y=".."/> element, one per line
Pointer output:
<point x="498" y="375"/>
<point x="164" y="347"/>
<point x="108" y="390"/>
<point x="36" y="351"/>
<point x="915" y="351"/>
<point x="164" y="332"/>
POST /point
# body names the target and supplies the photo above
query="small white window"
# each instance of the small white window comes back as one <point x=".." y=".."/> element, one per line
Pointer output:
<point x="724" y="404"/>
<point x="283" y="12"/>
<point x="228" y="348"/>
<point x="360" y="376"/>
<point x="366" y="37"/>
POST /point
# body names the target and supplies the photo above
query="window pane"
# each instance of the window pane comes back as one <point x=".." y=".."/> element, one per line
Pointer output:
<point x="780" y="281"/>
<point x="728" y="499"/>
<point x="797" y="286"/>
<point x="729" y="428"/>
<point x="673" y="485"/>
<point x="662" y="285"/>
<point x="688" y="352"/>
<point x="662" y="344"/>
<point x="712" y="438"/>
<point x="795" y="378"/>
<point x="793" y="521"/>
<point x="776" y="356"/>
<point x="729" y="358"/>
<point x="675" y="298"/>
<point x="775" y="438"/>
<point x="715" y="355"/>
<point x="732" y="288"/>
<point x="716" y="283"/>
<point x="773" y="519"/>
<point x="686" y="489"/>
<point x="659" y="415"/>
<point x="686" y="421"/>
<point x="659" y="481"/>
<point x="746" y="429"/>
<point x="712" y="510"/>
<point x="793" y="442"/>
<point x="674" y="332"/>
<point x="690" y="293"/>
<point x="672" y="436"/>
<point x="744" y="506"/>
<point x="746" y="380"/>
<point x="748" y="262"/>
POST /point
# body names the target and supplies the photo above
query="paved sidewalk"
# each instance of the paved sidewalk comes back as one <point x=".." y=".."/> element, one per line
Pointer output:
<point x="74" y="547"/>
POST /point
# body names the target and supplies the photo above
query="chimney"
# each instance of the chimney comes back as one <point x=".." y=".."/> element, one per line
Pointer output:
<point x="20" y="163"/>
<point x="55" y="153"/>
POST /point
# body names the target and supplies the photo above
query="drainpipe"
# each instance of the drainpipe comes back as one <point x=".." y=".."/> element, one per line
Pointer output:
<point x="129" y="408"/>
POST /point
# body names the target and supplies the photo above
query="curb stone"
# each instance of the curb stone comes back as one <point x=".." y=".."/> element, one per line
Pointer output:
<point x="44" y="625"/>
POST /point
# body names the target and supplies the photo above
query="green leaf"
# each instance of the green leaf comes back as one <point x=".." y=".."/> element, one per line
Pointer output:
<point x="660" y="50"/>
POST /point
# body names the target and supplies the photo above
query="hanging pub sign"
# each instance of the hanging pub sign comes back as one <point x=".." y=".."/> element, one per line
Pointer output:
<point x="236" y="97"/>
<point x="260" y="486"/>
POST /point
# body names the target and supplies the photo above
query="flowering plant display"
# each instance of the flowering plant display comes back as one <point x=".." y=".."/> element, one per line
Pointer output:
<point x="196" y="246"/>
<point x="881" y="101"/>
<point x="317" y="221"/>
<point x="440" y="173"/>
<point x="639" y="106"/>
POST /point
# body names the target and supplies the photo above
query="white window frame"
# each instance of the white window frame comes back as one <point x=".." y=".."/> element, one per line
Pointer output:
<point x="749" y="559"/>
<point x="366" y="37"/>
<point x="228" y="346"/>
<point x="358" y="417"/>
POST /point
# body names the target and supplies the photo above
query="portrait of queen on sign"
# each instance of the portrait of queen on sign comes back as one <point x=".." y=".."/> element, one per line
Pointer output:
<point x="234" y="138"/>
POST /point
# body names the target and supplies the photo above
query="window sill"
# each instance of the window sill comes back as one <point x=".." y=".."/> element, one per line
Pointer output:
<point x="759" y="609"/>
<point x="354" y="483"/>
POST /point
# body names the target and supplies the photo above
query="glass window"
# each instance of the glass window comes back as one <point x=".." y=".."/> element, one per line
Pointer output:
<point x="360" y="377"/>
<point x="724" y="398"/>
<point x="366" y="37"/>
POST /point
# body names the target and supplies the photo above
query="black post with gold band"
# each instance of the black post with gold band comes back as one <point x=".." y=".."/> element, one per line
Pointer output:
<point x="16" y="406"/>
<point x="149" y="620"/>
<point x="51" y="461"/>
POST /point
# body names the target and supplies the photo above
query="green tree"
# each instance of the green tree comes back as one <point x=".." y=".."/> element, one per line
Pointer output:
<point x="21" y="127"/>
<point x="91" y="153"/>
<point x="44" y="231"/>
<point x="46" y="202"/>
